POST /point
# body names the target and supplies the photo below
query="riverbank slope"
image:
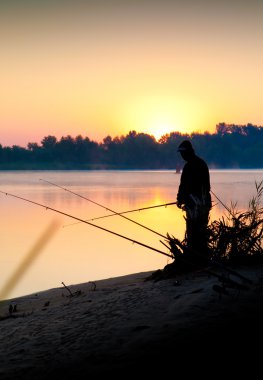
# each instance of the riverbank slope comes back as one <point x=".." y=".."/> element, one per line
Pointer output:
<point x="132" y="326"/>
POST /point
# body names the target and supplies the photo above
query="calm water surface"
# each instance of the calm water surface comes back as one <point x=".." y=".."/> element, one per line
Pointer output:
<point x="78" y="252"/>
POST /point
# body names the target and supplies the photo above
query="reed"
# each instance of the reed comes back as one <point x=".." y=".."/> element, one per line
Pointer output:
<point x="236" y="238"/>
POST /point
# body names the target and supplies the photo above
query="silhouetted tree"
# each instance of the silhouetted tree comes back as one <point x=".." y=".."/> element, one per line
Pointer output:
<point x="49" y="144"/>
<point x="232" y="145"/>
<point x="139" y="150"/>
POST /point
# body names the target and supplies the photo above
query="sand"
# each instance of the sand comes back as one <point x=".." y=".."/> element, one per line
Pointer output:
<point x="128" y="326"/>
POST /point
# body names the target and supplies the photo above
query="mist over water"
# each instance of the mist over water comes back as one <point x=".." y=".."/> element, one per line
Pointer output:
<point x="79" y="252"/>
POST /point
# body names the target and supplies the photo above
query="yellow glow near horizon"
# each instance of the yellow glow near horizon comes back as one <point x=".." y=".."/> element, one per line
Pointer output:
<point x="99" y="69"/>
<point x="160" y="115"/>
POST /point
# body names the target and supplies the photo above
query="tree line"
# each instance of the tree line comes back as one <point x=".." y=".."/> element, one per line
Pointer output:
<point x="231" y="146"/>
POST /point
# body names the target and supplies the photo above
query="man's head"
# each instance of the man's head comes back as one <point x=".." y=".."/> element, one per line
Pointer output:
<point x="186" y="150"/>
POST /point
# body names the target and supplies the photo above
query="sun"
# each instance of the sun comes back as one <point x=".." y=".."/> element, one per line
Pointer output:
<point x="154" y="115"/>
<point x="159" y="127"/>
<point x="161" y="114"/>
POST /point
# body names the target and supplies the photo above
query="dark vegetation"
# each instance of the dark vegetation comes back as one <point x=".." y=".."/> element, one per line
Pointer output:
<point x="231" y="146"/>
<point x="233" y="240"/>
<point x="237" y="238"/>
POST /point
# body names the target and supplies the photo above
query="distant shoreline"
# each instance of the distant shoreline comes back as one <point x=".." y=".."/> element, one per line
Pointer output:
<point x="101" y="168"/>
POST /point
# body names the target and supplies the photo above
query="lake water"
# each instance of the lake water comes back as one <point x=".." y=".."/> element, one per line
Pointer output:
<point x="78" y="252"/>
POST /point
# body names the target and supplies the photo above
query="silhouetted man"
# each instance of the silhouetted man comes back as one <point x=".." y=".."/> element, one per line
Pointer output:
<point x="194" y="197"/>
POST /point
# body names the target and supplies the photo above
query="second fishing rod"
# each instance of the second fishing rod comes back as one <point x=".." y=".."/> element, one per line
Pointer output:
<point x="126" y="212"/>
<point x="104" y="207"/>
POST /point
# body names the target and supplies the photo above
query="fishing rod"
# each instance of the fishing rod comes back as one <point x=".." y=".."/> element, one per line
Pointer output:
<point x="125" y="212"/>
<point x="84" y="221"/>
<point x="142" y="209"/>
<point x="104" y="229"/>
<point x="227" y="208"/>
<point x="100" y="205"/>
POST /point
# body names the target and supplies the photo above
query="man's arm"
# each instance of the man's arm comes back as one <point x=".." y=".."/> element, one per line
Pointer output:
<point x="181" y="195"/>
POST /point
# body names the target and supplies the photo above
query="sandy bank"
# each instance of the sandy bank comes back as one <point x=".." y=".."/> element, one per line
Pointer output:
<point x="132" y="325"/>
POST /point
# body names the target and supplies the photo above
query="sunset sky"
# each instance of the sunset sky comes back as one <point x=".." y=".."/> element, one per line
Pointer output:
<point x="105" y="67"/>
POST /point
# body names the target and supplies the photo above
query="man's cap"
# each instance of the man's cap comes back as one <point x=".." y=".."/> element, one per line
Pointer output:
<point x="185" y="146"/>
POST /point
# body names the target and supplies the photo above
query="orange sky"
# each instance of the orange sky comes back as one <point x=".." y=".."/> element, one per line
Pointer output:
<point x="106" y="67"/>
